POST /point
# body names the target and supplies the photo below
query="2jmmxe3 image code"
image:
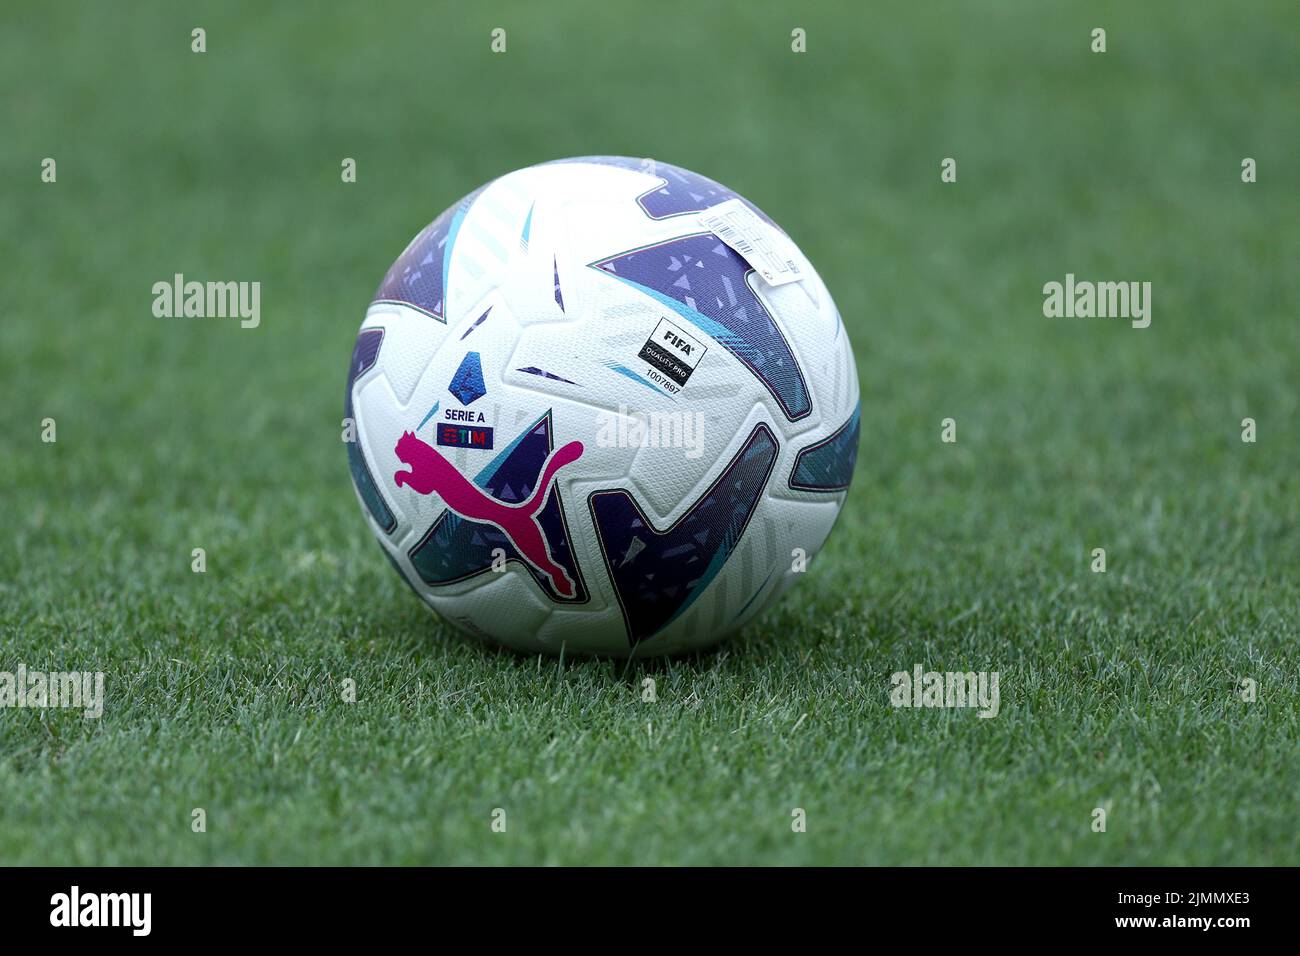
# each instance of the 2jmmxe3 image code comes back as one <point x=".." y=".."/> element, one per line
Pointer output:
<point x="1179" y="920"/>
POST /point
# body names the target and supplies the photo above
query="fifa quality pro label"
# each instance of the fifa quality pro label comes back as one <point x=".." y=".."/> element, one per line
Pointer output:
<point x="672" y="351"/>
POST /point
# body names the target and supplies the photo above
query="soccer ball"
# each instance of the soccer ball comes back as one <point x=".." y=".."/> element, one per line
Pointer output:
<point x="603" y="405"/>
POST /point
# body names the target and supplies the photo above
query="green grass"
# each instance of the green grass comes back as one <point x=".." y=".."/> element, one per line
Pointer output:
<point x="1118" y="689"/>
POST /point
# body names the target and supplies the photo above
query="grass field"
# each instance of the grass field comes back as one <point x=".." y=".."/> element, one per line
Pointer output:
<point x="1118" y="690"/>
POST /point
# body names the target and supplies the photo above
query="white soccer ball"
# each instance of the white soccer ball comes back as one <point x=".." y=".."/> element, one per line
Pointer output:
<point x="602" y="405"/>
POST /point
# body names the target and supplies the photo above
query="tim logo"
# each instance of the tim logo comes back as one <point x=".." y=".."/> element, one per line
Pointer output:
<point x="464" y="436"/>
<point x="428" y="471"/>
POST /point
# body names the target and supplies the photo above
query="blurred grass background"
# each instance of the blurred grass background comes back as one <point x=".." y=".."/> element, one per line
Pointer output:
<point x="1118" y="690"/>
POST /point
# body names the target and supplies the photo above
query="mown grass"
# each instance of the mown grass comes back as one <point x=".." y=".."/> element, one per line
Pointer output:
<point x="1119" y="690"/>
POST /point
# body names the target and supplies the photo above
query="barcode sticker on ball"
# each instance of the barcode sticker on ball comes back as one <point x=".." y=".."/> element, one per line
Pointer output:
<point x="763" y="245"/>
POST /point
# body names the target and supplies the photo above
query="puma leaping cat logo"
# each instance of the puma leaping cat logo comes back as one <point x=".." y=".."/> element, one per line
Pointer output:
<point x="429" y="471"/>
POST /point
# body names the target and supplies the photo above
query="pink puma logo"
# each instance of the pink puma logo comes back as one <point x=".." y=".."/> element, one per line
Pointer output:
<point x="430" y="471"/>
